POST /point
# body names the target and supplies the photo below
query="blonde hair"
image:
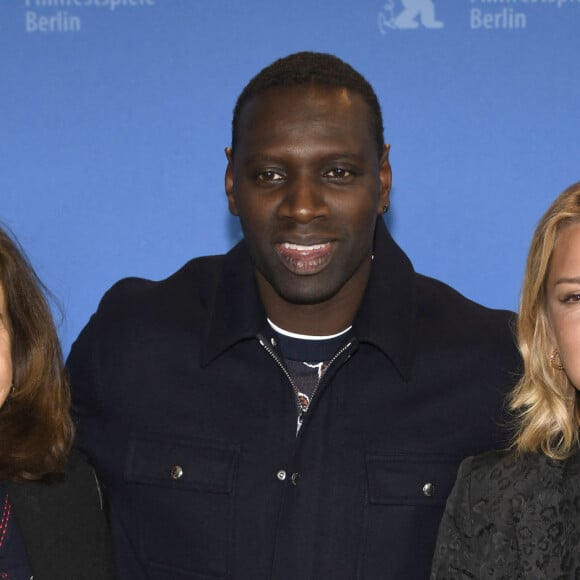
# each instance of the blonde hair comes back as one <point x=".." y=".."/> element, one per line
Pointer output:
<point x="545" y="402"/>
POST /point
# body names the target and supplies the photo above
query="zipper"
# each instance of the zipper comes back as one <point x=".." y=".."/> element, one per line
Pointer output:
<point x="295" y="389"/>
<point x="302" y="407"/>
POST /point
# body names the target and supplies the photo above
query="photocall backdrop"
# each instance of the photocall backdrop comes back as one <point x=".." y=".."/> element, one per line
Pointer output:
<point x="114" y="115"/>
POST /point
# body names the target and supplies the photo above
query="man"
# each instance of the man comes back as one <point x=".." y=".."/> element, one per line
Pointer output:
<point x="297" y="408"/>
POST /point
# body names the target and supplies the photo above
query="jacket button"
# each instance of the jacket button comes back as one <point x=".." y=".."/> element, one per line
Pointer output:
<point x="176" y="472"/>
<point x="295" y="477"/>
<point x="428" y="489"/>
<point x="281" y="475"/>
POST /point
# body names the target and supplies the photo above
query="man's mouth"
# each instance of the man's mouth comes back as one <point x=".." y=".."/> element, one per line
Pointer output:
<point x="305" y="259"/>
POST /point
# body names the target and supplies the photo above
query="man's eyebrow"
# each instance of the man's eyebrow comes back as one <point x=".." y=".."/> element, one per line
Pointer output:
<point x="262" y="158"/>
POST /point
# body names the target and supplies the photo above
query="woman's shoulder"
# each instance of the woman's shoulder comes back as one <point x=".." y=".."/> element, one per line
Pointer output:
<point x="80" y="473"/>
<point x="78" y="484"/>
<point x="498" y="472"/>
<point x="77" y="466"/>
<point x="63" y="524"/>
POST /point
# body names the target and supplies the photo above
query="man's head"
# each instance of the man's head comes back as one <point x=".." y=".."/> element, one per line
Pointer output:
<point x="308" y="183"/>
<point x="312" y="68"/>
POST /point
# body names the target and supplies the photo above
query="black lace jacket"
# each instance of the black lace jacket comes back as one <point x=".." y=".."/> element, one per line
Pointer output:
<point x="511" y="519"/>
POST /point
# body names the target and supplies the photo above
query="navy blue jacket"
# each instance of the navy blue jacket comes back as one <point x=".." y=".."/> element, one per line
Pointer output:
<point x="191" y="425"/>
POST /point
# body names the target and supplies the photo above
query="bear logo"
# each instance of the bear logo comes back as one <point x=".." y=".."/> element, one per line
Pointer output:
<point x="413" y="14"/>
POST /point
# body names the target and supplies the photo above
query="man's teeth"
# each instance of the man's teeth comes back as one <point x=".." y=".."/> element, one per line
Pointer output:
<point x="300" y="248"/>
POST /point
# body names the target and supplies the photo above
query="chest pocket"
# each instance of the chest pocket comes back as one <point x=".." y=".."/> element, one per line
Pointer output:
<point x="188" y="486"/>
<point x="406" y="495"/>
<point x="410" y="479"/>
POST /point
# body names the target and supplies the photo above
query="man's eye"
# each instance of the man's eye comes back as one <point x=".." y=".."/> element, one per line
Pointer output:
<point x="269" y="176"/>
<point x="338" y="173"/>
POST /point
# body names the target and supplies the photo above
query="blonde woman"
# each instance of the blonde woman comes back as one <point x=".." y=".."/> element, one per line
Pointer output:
<point x="516" y="514"/>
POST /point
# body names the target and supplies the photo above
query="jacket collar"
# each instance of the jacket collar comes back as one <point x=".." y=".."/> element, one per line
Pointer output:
<point x="385" y="319"/>
<point x="387" y="314"/>
<point x="237" y="313"/>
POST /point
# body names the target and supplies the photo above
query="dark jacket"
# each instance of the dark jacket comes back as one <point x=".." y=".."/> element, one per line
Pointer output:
<point x="191" y="425"/>
<point x="511" y="519"/>
<point x="63" y="526"/>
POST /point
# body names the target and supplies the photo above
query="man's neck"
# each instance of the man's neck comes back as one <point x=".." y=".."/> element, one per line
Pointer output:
<point x="321" y="319"/>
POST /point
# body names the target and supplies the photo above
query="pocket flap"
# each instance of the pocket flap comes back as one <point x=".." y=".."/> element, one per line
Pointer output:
<point x="410" y="479"/>
<point x="200" y="464"/>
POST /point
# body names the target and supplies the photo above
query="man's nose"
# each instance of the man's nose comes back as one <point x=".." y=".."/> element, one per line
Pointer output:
<point x="305" y="200"/>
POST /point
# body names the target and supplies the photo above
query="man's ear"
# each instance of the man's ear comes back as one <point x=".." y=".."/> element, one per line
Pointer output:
<point x="385" y="180"/>
<point x="229" y="182"/>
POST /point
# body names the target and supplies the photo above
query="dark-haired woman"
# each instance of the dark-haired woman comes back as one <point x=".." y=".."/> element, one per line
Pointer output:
<point x="52" y="526"/>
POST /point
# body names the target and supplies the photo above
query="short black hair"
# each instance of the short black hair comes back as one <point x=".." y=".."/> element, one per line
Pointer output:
<point x="306" y="68"/>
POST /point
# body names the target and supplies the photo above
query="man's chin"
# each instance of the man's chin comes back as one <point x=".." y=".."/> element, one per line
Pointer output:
<point x="305" y="294"/>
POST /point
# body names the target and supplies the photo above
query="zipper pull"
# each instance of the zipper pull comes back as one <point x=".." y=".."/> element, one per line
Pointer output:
<point x="299" y="421"/>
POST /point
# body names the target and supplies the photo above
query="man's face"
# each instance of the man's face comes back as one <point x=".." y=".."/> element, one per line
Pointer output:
<point x="307" y="183"/>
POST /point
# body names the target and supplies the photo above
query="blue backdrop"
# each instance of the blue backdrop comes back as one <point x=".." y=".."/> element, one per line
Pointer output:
<point x="114" y="115"/>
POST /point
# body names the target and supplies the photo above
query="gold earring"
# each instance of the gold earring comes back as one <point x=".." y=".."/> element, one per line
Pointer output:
<point x="556" y="361"/>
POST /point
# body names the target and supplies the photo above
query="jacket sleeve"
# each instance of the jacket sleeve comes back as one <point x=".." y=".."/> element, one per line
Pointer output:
<point x="455" y="551"/>
<point x="87" y="397"/>
<point x="95" y="358"/>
